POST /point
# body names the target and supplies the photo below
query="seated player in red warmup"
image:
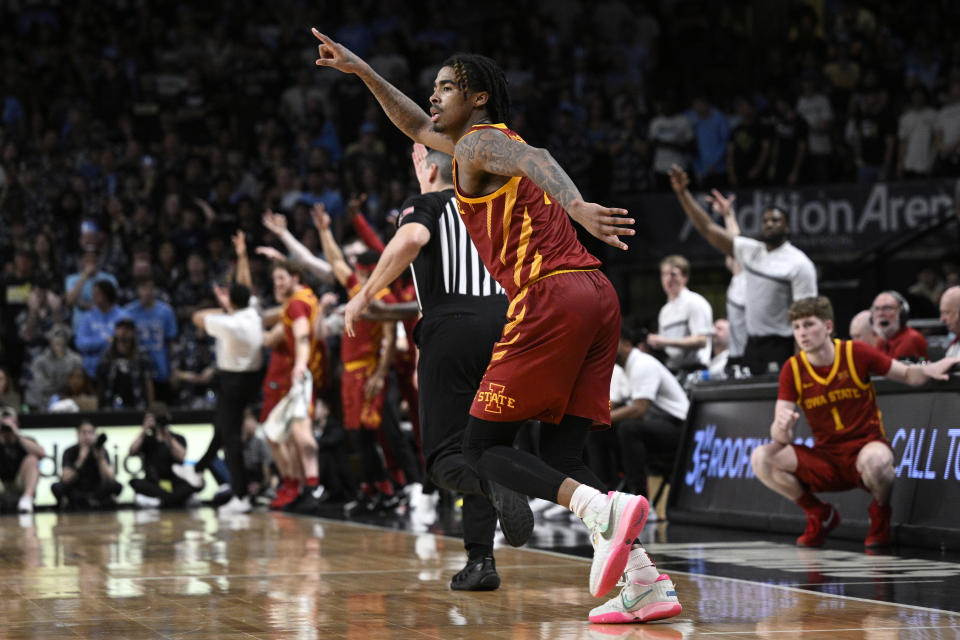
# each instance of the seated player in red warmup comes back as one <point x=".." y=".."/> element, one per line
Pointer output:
<point x="888" y="318"/>
<point x="830" y="380"/>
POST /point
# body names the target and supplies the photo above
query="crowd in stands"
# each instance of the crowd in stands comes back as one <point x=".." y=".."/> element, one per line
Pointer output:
<point x="135" y="137"/>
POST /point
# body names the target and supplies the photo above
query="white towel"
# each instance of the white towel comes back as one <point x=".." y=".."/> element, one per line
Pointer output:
<point x="293" y="406"/>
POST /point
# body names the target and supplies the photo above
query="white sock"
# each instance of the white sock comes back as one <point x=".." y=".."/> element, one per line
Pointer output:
<point x="640" y="567"/>
<point x="587" y="501"/>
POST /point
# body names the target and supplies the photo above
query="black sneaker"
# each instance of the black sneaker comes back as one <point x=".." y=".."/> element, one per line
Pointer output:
<point x="386" y="503"/>
<point x="513" y="511"/>
<point x="478" y="575"/>
<point x="293" y="506"/>
<point x="307" y="502"/>
<point x="360" y="505"/>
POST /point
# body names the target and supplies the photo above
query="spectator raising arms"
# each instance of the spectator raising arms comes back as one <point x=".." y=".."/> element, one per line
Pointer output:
<point x="777" y="274"/>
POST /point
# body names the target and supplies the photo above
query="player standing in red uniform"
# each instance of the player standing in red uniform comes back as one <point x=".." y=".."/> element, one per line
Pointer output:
<point x="297" y="357"/>
<point x="367" y="354"/>
<point x="556" y="355"/>
<point x="405" y="361"/>
<point x="830" y="380"/>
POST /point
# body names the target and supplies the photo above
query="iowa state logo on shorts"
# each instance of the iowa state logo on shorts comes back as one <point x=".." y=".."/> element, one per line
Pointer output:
<point x="495" y="398"/>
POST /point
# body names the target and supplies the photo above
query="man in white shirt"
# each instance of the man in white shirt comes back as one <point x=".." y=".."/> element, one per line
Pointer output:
<point x="685" y="323"/>
<point x="737" y="309"/>
<point x="238" y="331"/>
<point x="915" y="132"/>
<point x="950" y="316"/>
<point x="947" y="132"/>
<point x="648" y="409"/>
<point x="778" y="273"/>
<point x="814" y="107"/>
<point x="672" y="136"/>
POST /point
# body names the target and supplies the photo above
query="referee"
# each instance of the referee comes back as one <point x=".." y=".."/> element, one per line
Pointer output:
<point x="464" y="310"/>
<point x="239" y="342"/>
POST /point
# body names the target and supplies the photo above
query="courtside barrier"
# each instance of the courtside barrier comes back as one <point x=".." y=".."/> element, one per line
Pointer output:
<point x="714" y="484"/>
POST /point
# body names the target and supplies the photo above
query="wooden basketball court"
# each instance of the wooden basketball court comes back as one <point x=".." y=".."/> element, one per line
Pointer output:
<point x="188" y="574"/>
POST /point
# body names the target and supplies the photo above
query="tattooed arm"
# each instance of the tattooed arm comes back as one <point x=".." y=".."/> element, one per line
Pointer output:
<point x="401" y="110"/>
<point x="489" y="151"/>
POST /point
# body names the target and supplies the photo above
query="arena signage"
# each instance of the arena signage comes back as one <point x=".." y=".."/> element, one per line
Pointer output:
<point x="825" y="220"/>
<point x="126" y="467"/>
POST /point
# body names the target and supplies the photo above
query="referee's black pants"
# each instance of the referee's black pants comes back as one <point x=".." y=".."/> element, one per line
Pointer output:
<point x="235" y="391"/>
<point x="455" y="350"/>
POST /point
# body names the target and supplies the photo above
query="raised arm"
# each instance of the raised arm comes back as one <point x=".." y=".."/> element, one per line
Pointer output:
<point x="277" y="224"/>
<point x="360" y="224"/>
<point x="397" y="256"/>
<point x="488" y="150"/>
<point x="714" y="233"/>
<point x="243" y="275"/>
<point x="73" y="295"/>
<point x="341" y="270"/>
<point x="402" y="111"/>
<point x="724" y="206"/>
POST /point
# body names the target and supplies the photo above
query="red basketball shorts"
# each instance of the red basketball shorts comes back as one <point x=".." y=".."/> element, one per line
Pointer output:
<point x="556" y="354"/>
<point x="358" y="411"/>
<point x="274" y="390"/>
<point x="831" y="468"/>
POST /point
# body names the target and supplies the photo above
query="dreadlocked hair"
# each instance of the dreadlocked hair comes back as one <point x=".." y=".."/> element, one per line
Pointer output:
<point x="474" y="72"/>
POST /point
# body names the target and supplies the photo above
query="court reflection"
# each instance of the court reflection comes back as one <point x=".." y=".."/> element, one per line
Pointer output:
<point x="265" y="575"/>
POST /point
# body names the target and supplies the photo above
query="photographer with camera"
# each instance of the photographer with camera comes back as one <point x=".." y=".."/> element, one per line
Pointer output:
<point x="19" y="461"/>
<point x="88" y="480"/>
<point x="159" y="449"/>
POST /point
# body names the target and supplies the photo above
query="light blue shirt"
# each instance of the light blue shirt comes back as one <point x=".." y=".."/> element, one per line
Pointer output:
<point x="94" y="333"/>
<point x="86" y="293"/>
<point x="156" y="326"/>
<point x="712" y="134"/>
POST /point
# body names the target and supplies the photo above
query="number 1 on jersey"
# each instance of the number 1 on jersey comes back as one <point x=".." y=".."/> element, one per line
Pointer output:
<point x="836" y="418"/>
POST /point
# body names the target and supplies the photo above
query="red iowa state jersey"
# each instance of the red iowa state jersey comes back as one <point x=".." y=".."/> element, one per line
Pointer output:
<point x="838" y="400"/>
<point x="364" y="344"/>
<point x="302" y="304"/>
<point x="519" y="232"/>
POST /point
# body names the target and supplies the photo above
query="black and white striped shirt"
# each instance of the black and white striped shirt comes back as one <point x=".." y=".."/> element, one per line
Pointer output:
<point x="448" y="269"/>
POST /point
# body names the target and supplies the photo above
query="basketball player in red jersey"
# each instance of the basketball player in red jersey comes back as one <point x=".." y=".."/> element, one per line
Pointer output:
<point x="367" y="354"/>
<point x="830" y="380"/>
<point x="297" y="353"/>
<point x="556" y="354"/>
<point x="405" y="361"/>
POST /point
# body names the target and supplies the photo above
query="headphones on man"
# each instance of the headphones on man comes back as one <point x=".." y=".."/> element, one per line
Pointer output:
<point x="902" y="303"/>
